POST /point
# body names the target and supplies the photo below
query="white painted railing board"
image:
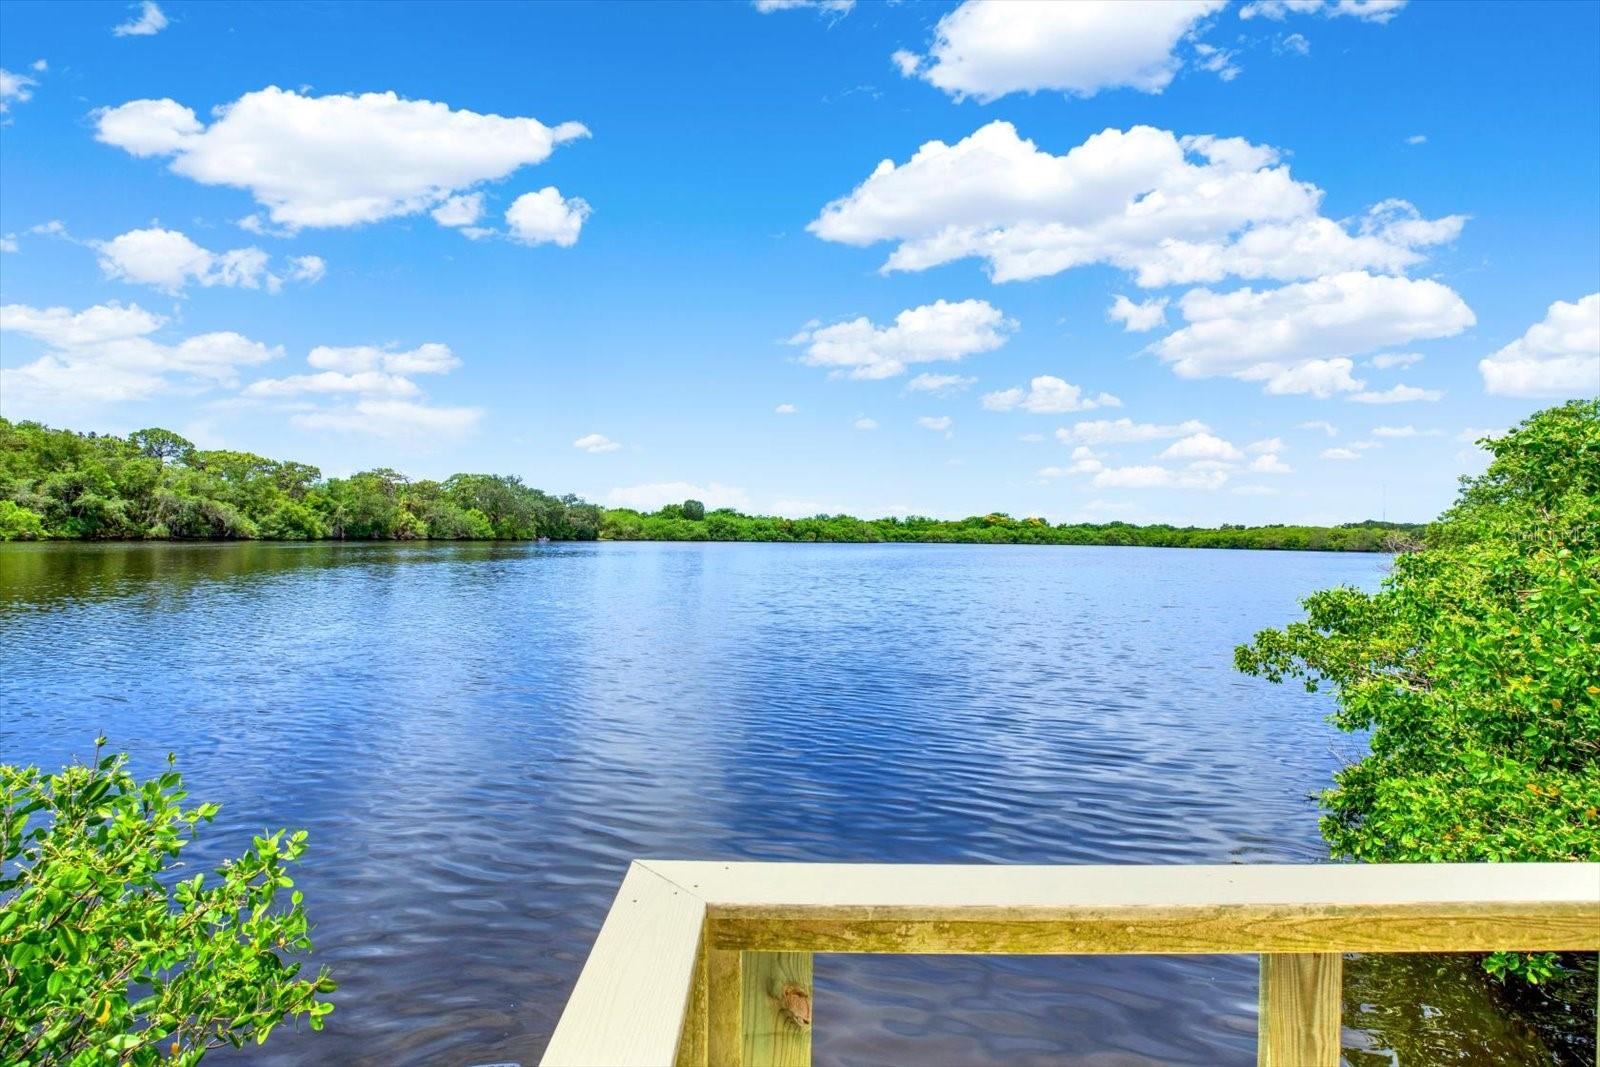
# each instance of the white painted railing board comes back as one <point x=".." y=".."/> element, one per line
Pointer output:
<point x="965" y="887"/>
<point x="629" y="1004"/>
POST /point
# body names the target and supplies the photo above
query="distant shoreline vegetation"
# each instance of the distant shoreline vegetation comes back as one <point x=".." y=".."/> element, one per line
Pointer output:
<point x="155" y="485"/>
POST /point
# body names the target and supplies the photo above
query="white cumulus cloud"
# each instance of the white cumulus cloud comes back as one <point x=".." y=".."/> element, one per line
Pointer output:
<point x="1152" y="476"/>
<point x="361" y="383"/>
<point x="1390" y="360"/>
<point x="1402" y="431"/>
<point x="1556" y="357"/>
<point x="1171" y="210"/>
<point x="1270" y="464"/>
<point x="1048" y="395"/>
<point x="1399" y="394"/>
<point x="308" y="269"/>
<point x="939" y="423"/>
<point x="338" y="160"/>
<point x="430" y="358"/>
<point x="1202" y="446"/>
<point x="151" y="20"/>
<point x="1379" y="11"/>
<point x="1126" y="431"/>
<point x="785" y="409"/>
<point x="1297" y="337"/>
<point x="371" y="392"/>
<point x="1317" y="377"/>
<point x="16" y="88"/>
<point x="988" y="48"/>
<point x="1138" y="316"/>
<point x="393" y="419"/>
<point x="595" y="444"/>
<point x="937" y="332"/>
<point x="938" y="383"/>
<point x="464" y="210"/>
<point x="170" y="261"/>
<point x="107" y="354"/>
<point x="546" y="217"/>
<point x="824" y="7"/>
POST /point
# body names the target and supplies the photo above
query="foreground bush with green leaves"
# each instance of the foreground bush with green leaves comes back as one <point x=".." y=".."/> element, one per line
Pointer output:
<point x="109" y="956"/>
<point x="1475" y="670"/>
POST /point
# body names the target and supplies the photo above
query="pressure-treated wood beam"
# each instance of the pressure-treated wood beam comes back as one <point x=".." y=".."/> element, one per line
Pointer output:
<point x="705" y="963"/>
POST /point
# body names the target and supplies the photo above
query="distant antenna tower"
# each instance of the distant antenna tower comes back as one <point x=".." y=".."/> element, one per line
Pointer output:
<point x="1385" y="505"/>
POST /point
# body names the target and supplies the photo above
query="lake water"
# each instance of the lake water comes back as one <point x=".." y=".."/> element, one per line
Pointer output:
<point x="480" y="737"/>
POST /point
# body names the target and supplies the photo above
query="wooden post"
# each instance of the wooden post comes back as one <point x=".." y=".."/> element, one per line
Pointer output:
<point x="724" y="1011"/>
<point x="1301" y="1000"/>
<point x="692" y="1042"/>
<point x="777" y="1009"/>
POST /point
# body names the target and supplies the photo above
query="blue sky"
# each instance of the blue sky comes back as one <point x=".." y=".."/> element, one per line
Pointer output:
<point x="822" y="257"/>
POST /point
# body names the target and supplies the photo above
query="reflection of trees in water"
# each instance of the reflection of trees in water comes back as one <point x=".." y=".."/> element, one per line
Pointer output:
<point x="41" y="575"/>
<point x="1418" y="1011"/>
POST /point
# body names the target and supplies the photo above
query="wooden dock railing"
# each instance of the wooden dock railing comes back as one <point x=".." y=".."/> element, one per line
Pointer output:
<point x="703" y="963"/>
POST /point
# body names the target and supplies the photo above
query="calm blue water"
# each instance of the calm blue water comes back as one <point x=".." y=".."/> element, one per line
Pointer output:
<point x="479" y="738"/>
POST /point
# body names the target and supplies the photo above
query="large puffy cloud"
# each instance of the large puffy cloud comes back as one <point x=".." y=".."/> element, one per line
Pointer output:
<point x="334" y="160"/>
<point x="988" y="48"/>
<point x="107" y="354"/>
<point x="1297" y="337"/>
<point x="1172" y="210"/>
<point x="170" y="261"/>
<point x="1048" y="395"/>
<point x="1557" y="357"/>
<point x="937" y="332"/>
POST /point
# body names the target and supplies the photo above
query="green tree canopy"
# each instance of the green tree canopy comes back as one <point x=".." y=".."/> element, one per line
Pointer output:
<point x="1475" y="669"/>
<point x="155" y="484"/>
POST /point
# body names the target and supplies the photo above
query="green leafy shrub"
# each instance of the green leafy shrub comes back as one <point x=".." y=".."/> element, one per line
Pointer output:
<point x="17" y="523"/>
<point x="1475" y="669"/>
<point x="107" y="957"/>
<point x="293" y="521"/>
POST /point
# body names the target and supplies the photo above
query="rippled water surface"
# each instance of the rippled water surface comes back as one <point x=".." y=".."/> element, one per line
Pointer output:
<point x="480" y="737"/>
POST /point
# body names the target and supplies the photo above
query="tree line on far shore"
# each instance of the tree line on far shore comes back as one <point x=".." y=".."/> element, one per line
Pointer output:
<point x="155" y="485"/>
